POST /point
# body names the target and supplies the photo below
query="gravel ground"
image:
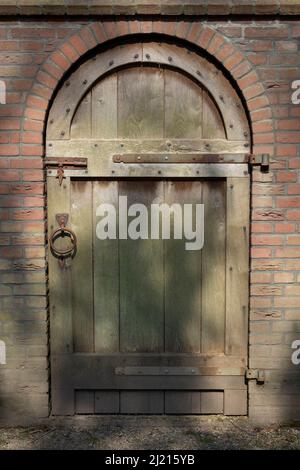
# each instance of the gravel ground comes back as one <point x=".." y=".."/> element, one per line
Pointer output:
<point x="155" y="433"/>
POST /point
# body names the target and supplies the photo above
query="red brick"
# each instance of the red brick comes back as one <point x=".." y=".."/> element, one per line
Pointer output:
<point x="252" y="91"/>
<point x="285" y="150"/>
<point x="286" y="46"/>
<point x="267" y="214"/>
<point x="135" y="26"/>
<point x="35" y="252"/>
<point x="182" y="29"/>
<point x="33" y="175"/>
<point x="215" y="44"/>
<point x="293" y="240"/>
<point x="205" y="37"/>
<point x="32" y="150"/>
<point x="257" y="59"/>
<point x="41" y="91"/>
<point x="260" y="277"/>
<point x="11" y="111"/>
<point x="46" y="79"/>
<point x="293" y="215"/>
<point x="260" y="227"/>
<point x="287" y="252"/>
<point x="123" y="27"/>
<point x="31" y="125"/>
<point x="261" y="46"/>
<point x="28" y="214"/>
<point x="110" y="29"/>
<point x="263" y="126"/>
<point x="9" y="175"/>
<point x="33" y="227"/>
<point x="27" y="188"/>
<point x="288" y="137"/>
<point x="267" y="240"/>
<point x="88" y="38"/>
<point x="194" y="32"/>
<point x="99" y="32"/>
<point x="35" y="32"/>
<point x="70" y="52"/>
<point x="34" y="201"/>
<point x="37" y="102"/>
<point x="147" y="26"/>
<point x="32" y="137"/>
<point x="8" y="150"/>
<point x="288" y="124"/>
<point x="11" y="252"/>
<point x="294" y="189"/>
<point x="35" y="114"/>
<point x="61" y="60"/>
<point x="31" y="163"/>
<point x="10" y="124"/>
<point x="261" y="114"/>
<point x="231" y="31"/>
<point x="267" y="32"/>
<point x="286" y="176"/>
<point x="284" y="227"/>
<point x="286" y="302"/>
<point x="281" y="278"/>
<point x="78" y="44"/>
<point x="261" y="252"/>
<point x="260" y="302"/>
<point x="226" y="51"/>
<point x="28" y="240"/>
<point x="286" y="201"/>
<point x="257" y="103"/>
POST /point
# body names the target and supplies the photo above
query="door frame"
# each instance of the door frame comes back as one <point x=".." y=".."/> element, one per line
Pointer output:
<point x="59" y="125"/>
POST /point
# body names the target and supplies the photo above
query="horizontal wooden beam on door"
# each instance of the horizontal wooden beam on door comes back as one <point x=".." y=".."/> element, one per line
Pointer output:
<point x="181" y="158"/>
<point x="105" y="148"/>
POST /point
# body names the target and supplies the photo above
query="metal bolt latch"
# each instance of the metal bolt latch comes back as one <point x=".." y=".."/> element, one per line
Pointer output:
<point x="256" y="374"/>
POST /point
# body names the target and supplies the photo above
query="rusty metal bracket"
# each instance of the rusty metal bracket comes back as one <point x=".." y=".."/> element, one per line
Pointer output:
<point x="72" y="163"/>
<point x="256" y="374"/>
<point x="260" y="160"/>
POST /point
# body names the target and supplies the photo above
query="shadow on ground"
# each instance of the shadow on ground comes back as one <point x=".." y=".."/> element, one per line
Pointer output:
<point x="156" y="433"/>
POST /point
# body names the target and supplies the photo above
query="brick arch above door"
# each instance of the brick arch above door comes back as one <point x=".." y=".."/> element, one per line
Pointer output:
<point x="204" y="37"/>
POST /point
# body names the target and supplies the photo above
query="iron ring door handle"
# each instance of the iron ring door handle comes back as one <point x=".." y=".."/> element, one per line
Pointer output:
<point x="61" y="233"/>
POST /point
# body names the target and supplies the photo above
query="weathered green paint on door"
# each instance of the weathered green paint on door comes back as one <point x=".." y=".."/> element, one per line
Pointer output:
<point x="145" y="326"/>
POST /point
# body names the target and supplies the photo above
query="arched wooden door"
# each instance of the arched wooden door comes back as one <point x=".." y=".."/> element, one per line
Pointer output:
<point x="146" y="326"/>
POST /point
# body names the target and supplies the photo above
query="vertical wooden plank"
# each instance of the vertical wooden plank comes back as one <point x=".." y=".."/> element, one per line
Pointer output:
<point x="81" y="124"/>
<point x="82" y="265"/>
<point x="142" y="402"/>
<point x="237" y="266"/>
<point x="60" y="282"/>
<point x="62" y="399"/>
<point x="212" y="402"/>
<point x="213" y="127"/>
<point x="182" y="278"/>
<point x="183" y="107"/>
<point x="141" y="103"/>
<point x="141" y="279"/>
<point x="106" y="274"/>
<point x="85" y="402"/>
<point x="235" y="402"/>
<point x="213" y="267"/>
<point x="182" y="402"/>
<point x="104" y="108"/>
<point x="107" y="401"/>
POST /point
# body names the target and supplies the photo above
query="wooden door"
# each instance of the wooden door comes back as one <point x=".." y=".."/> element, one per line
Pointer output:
<point x="146" y="326"/>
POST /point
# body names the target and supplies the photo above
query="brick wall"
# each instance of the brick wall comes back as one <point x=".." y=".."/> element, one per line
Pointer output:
<point x="263" y="57"/>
